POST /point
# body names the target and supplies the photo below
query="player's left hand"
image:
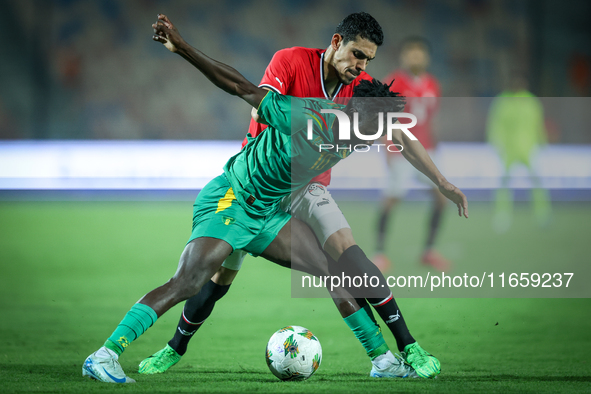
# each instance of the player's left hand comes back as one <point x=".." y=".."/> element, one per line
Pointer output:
<point x="455" y="195"/>
<point x="166" y="33"/>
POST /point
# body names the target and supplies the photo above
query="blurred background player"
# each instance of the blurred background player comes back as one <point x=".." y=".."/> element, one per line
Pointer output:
<point x="515" y="127"/>
<point x="421" y="90"/>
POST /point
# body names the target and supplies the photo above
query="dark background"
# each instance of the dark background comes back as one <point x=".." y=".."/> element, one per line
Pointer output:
<point x="88" y="69"/>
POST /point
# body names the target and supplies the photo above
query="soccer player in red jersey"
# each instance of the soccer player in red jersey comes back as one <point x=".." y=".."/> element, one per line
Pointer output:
<point x="332" y="73"/>
<point x="421" y="90"/>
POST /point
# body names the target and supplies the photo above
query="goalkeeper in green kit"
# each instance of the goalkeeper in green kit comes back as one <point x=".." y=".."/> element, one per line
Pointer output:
<point x="515" y="127"/>
<point x="240" y="209"/>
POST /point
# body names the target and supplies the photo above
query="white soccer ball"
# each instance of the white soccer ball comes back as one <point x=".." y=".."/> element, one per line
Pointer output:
<point x="293" y="353"/>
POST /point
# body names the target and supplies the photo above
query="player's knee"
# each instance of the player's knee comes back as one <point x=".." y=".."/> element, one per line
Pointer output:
<point x="338" y="242"/>
<point x="182" y="288"/>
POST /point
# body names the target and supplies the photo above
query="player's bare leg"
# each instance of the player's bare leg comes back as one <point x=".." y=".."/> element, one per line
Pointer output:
<point x="306" y="257"/>
<point x="200" y="259"/>
<point x="196" y="310"/>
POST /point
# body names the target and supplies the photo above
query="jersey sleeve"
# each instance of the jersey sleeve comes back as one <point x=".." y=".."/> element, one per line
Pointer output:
<point x="283" y="113"/>
<point x="279" y="74"/>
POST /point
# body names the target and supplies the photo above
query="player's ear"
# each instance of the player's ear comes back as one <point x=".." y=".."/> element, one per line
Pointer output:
<point x="336" y="41"/>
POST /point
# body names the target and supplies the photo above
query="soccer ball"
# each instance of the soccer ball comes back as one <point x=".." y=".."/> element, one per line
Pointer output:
<point x="293" y="353"/>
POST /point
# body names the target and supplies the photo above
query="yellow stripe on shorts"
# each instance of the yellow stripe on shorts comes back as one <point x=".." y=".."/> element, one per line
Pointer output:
<point x="226" y="201"/>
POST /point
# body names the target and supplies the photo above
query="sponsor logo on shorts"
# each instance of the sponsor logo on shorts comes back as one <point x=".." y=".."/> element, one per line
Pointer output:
<point x="323" y="202"/>
<point x="316" y="189"/>
<point x="228" y="220"/>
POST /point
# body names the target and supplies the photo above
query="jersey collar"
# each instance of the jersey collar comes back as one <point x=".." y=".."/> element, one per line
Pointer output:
<point x="339" y="86"/>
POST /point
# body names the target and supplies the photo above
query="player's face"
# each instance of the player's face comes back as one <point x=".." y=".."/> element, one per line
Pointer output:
<point x="415" y="58"/>
<point x="351" y="59"/>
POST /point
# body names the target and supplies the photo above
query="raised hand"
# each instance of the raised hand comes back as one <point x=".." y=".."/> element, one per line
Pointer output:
<point x="167" y="34"/>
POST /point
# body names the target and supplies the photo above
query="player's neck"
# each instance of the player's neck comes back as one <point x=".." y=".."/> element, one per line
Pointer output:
<point x="331" y="79"/>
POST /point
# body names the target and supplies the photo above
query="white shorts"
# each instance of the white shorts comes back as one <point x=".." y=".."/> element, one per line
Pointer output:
<point x="401" y="173"/>
<point x="234" y="261"/>
<point x="314" y="206"/>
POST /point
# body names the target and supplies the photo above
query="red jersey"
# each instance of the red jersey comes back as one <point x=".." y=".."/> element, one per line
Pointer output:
<point x="415" y="88"/>
<point x="299" y="72"/>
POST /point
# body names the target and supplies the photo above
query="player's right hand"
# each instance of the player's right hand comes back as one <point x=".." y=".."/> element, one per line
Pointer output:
<point x="456" y="196"/>
<point x="167" y="34"/>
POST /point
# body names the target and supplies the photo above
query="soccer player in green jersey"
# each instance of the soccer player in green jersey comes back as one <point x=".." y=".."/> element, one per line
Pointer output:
<point x="240" y="209"/>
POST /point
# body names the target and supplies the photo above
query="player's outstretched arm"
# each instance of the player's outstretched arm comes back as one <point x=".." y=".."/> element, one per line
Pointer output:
<point x="222" y="75"/>
<point x="416" y="154"/>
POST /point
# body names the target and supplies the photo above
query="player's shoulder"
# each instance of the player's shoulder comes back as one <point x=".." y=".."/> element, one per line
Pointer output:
<point x="273" y="98"/>
<point x="294" y="103"/>
<point x="299" y="53"/>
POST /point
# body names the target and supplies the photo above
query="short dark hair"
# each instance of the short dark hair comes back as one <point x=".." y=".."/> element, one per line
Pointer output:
<point x="392" y="101"/>
<point x="360" y="24"/>
<point x="415" y="41"/>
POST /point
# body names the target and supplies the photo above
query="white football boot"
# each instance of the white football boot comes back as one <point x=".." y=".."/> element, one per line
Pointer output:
<point x="390" y="365"/>
<point x="103" y="365"/>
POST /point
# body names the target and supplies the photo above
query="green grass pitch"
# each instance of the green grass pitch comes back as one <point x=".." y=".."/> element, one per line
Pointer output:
<point x="71" y="270"/>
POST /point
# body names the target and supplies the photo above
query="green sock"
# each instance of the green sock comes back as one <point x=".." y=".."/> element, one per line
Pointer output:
<point x="139" y="318"/>
<point x="370" y="313"/>
<point x="367" y="332"/>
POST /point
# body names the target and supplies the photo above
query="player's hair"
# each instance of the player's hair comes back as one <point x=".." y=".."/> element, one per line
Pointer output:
<point x="391" y="101"/>
<point x="360" y="24"/>
<point x="415" y="41"/>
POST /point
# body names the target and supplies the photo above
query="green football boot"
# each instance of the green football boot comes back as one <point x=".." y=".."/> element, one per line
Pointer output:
<point x="425" y="365"/>
<point x="160" y="361"/>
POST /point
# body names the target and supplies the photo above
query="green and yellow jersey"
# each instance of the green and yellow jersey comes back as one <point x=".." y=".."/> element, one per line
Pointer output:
<point x="282" y="158"/>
